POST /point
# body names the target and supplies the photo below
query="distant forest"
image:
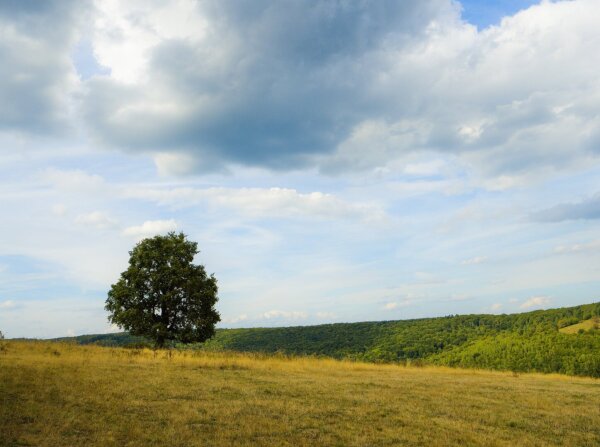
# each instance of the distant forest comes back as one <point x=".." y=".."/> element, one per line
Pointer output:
<point x="526" y="342"/>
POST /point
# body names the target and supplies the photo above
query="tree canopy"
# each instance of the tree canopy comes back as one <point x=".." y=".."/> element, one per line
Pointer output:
<point x="163" y="295"/>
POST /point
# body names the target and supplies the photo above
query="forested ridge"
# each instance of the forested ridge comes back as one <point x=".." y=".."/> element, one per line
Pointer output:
<point x="517" y="342"/>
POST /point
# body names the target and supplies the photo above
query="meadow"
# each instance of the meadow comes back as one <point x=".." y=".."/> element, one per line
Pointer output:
<point x="585" y="326"/>
<point x="60" y="394"/>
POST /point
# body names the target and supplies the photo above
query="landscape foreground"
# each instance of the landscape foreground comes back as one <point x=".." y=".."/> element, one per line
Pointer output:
<point x="57" y="394"/>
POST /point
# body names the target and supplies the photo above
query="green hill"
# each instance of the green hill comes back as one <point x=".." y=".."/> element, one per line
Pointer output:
<point x="522" y="342"/>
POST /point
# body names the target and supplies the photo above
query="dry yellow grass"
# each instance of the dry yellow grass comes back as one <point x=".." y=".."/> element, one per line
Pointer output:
<point x="66" y="395"/>
<point x="592" y="323"/>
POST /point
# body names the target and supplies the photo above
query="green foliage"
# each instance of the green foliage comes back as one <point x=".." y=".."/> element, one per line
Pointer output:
<point x="122" y="339"/>
<point x="543" y="352"/>
<point x="567" y="322"/>
<point x="162" y="295"/>
<point x="518" y="342"/>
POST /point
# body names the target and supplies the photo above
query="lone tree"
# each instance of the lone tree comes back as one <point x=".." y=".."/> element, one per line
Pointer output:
<point x="164" y="296"/>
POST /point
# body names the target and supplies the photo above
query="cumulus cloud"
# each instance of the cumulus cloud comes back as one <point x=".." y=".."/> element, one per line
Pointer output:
<point x="262" y="202"/>
<point x="267" y="84"/>
<point x="150" y="228"/>
<point x="582" y="210"/>
<point x="535" y="301"/>
<point x="346" y="85"/>
<point x="96" y="219"/>
<point x="335" y="86"/>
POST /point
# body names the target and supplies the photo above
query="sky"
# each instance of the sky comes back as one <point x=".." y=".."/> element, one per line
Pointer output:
<point x="335" y="161"/>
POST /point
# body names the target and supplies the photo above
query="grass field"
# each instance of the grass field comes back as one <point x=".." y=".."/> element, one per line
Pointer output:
<point x="592" y="323"/>
<point x="54" y="394"/>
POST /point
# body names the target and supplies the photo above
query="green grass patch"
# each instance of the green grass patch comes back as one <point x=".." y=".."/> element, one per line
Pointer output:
<point x="584" y="326"/>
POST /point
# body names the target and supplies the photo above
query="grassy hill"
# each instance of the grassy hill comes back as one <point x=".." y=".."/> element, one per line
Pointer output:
<point x="532" y="341"/>
<point x="58" y="394"/>
<point x="584" y="326"/>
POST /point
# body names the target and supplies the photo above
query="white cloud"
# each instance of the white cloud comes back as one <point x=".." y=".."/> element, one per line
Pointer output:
<point x="395" y="304"/>
<point x="578" y="248"/>
<point x="474" y="261"/>
<point x="280" y="314"/>
<point x="234" y="320"/>
<point x="326" y="316"/>
<point x="8" y="304"/>
<point x="263" y="202"/>
<point x="535" y="301"/>
<point x="470" y="133"/>
<point x="507" y="109"/>
<point x="76" y="180"/>
<point x="124" y="46"/>
<point x="496" y="306"/>
<point x="151" y="228"/>
<point x="96" y="219"/>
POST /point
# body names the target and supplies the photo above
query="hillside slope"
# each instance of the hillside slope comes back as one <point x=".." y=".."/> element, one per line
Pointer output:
<point x="519" y="342"/>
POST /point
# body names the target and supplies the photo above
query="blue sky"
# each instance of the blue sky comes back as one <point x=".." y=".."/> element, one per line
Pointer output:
<point x="334" y="161"/>
<point x="485" y="13"/>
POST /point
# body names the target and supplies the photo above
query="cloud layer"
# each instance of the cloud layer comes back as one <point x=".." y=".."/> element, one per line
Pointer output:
<point x="346" y="86"/>
<point x="333" y="85"/>
<point x="262" y="202"/>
